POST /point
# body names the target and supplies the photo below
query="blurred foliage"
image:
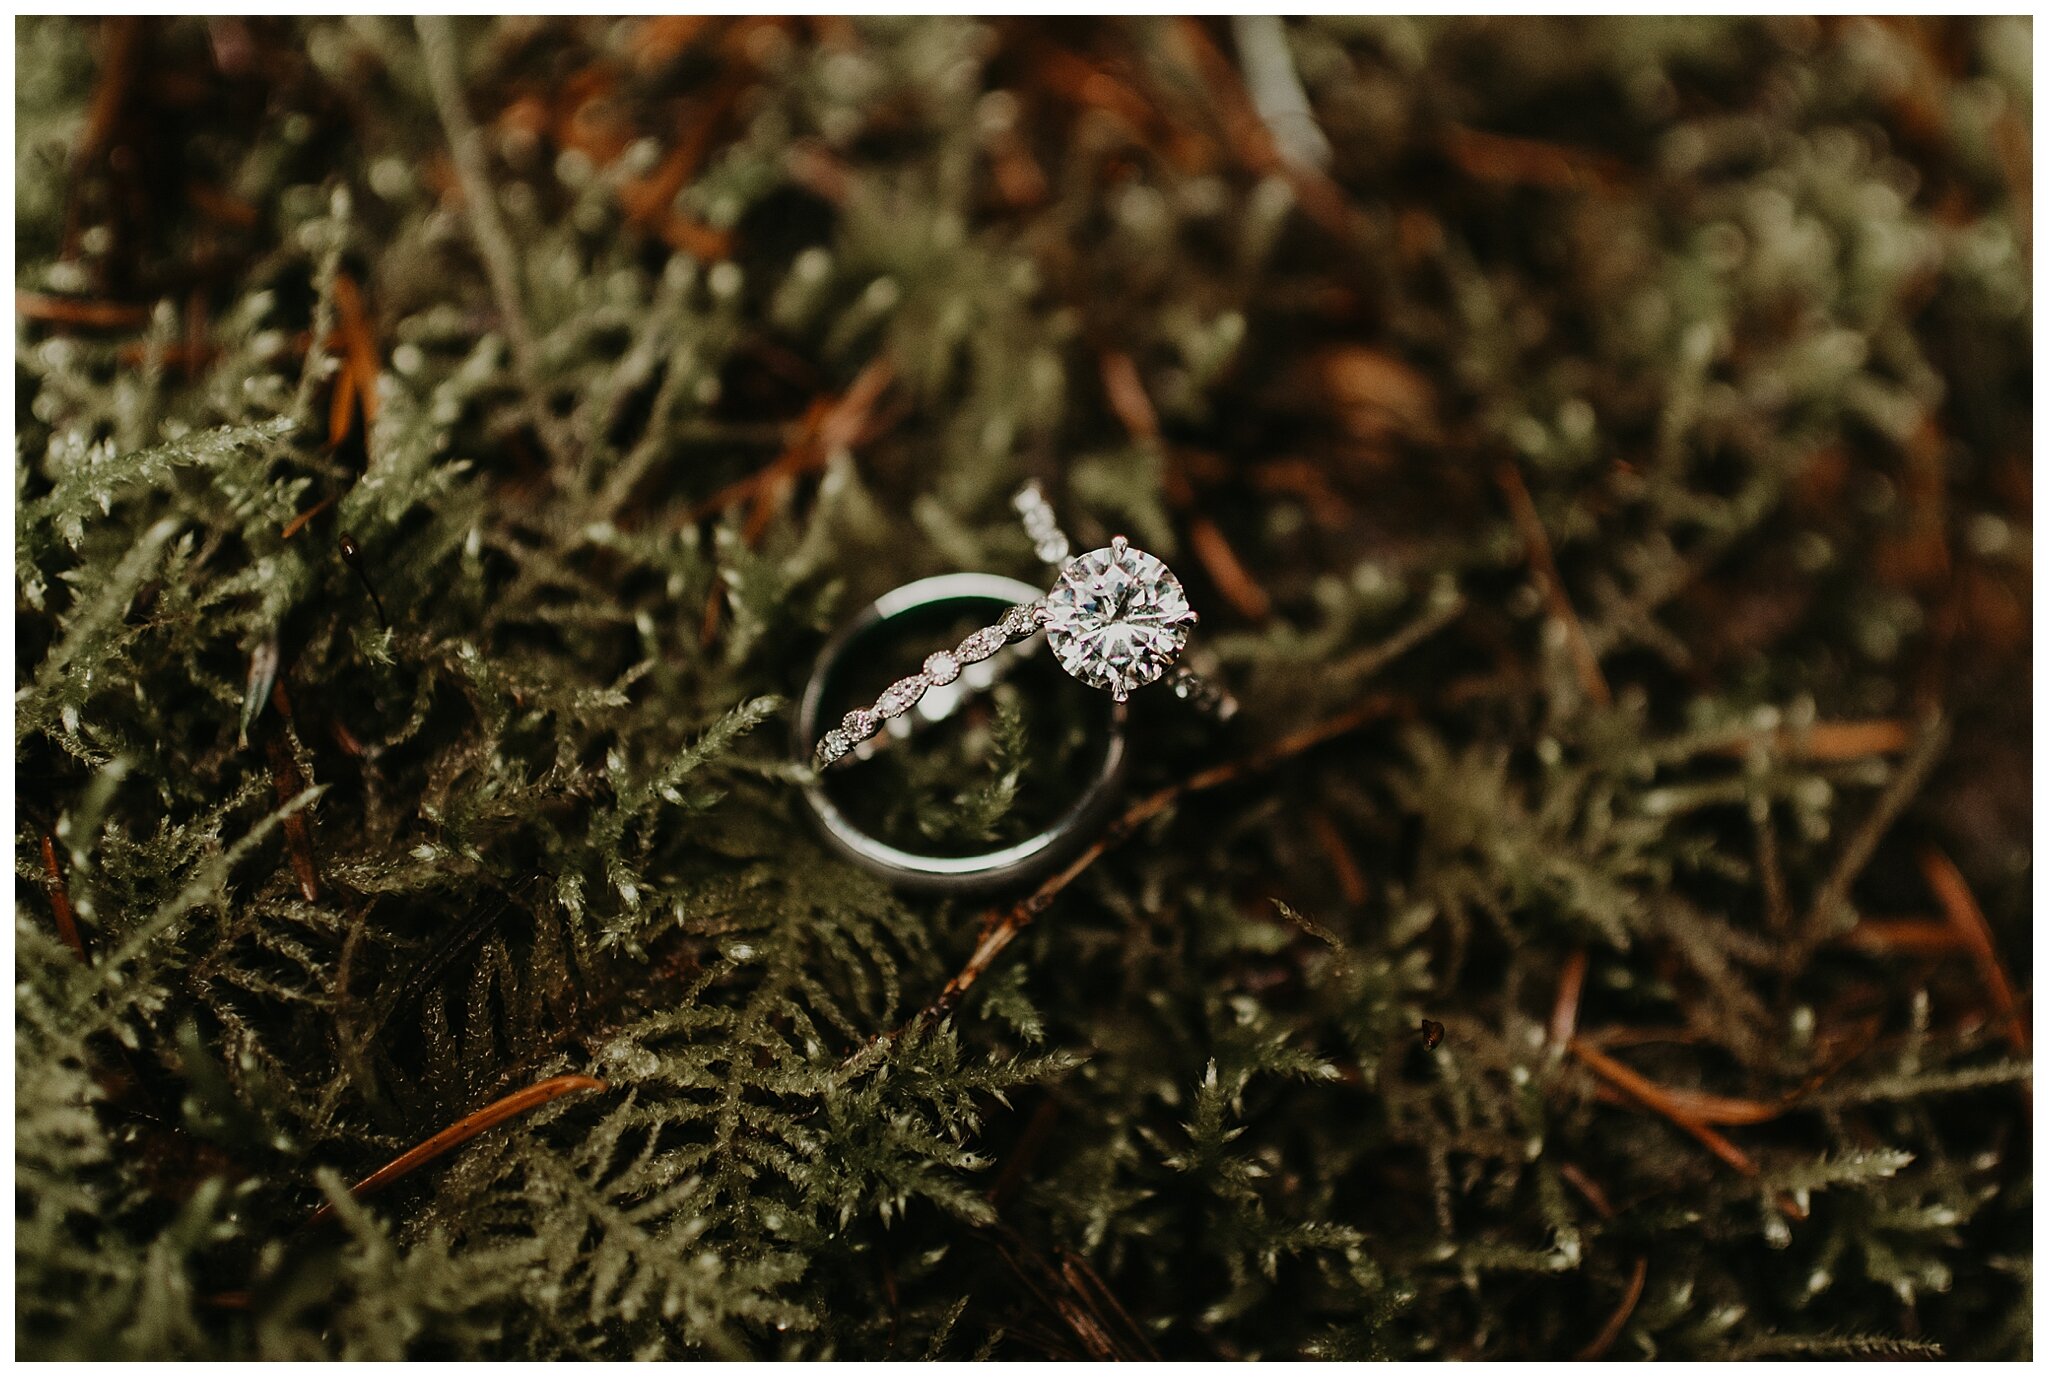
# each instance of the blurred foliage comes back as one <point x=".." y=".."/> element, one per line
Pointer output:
<point x="440" y="450"/>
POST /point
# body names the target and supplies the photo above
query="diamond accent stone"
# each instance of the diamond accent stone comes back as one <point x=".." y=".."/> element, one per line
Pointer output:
<point x="860" y="724"/>
<point x="899" y="696"/>
<point x="1020" y="621"/>
<point x="834" y="745"/>
<point x="1117" y="619"/>
<point x="941" y="668"/>
<point x="980" y="645"/>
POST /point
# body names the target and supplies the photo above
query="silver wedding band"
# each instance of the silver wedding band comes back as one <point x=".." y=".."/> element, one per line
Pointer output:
<point x="1034" y="855"/>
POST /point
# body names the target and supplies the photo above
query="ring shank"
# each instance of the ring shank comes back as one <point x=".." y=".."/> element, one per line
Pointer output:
<point x="957" y="874"/>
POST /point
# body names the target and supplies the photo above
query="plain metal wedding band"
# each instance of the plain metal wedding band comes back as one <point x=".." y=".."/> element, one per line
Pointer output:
<point x="957" y="874"/>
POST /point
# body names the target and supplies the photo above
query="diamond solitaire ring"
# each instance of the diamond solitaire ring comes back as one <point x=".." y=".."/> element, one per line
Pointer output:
<point x="1116" y="619"/>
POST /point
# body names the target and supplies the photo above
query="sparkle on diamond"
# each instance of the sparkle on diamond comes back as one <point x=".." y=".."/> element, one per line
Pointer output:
<point x="1117" y="618"/>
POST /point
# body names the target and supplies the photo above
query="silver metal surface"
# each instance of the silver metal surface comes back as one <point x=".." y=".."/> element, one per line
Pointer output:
<point x="1021" y="861"/>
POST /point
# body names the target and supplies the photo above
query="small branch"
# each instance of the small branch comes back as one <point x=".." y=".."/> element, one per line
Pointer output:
<point x="460" y="1132"/>
<point x="1543" y="563"/>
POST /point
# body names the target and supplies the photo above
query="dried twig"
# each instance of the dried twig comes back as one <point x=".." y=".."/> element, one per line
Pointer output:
<point x="460" y="1132"/>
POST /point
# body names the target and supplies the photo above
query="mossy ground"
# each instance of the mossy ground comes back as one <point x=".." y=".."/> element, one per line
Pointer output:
<point x="441" y="448"/>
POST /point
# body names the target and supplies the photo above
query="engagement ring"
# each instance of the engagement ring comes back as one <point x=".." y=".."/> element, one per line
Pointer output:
<point x="1116" y="619"/>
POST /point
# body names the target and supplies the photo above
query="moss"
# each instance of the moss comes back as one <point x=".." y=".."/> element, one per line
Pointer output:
<point x="441" y="449"/>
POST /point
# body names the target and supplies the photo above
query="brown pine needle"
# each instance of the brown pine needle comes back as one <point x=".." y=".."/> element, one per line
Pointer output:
<point x="64" y="310"/>
<point x="1127" y="397"/>
<point x="1722" y="1110"/>
<point x="1227" y="571"/>
<point x="1588" y="1187"/>
<point x="1611" y="1331"/>
<point x="299" y="522"/>
<point x="1823" y="921"/>
<point x="1659" y="1100"/>
<point x="1505" y="160"/>
<point x="1000" y="927"/>
<point x="341" y="408"/>
<point x="1847" y="740"/>
<point x="1975" y="934"/>
<point x="1564" y="1013"/>
<point x="60" y="901"/>
<point x="1543" y="563"/>
<point x="298" y="837"/>
<point x="460" y="1132"/>
<point x="1904" y="937"/>
<point x="359" y="345"/>
<point x="831" y="424"/>
<point x="1830" y="741"/>
<point x="1350" y="879"/>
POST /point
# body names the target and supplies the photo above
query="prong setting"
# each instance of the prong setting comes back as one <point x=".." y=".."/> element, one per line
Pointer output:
<point x="1117" y="619"/>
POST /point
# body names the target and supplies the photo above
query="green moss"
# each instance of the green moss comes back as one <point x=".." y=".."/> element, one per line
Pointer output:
<point x="403" y="746"/>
